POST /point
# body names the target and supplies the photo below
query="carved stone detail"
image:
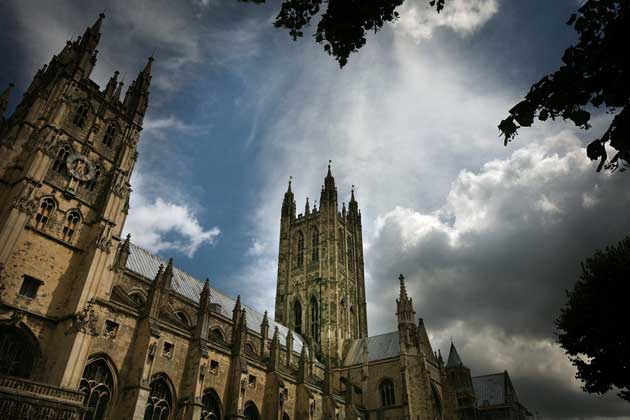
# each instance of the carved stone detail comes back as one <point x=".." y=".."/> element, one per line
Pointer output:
<point x="85" y="321"/>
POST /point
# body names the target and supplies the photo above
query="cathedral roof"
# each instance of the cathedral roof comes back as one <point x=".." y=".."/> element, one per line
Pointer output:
<point x="453" y="358"/>
<point x="145" y="264"/>
<point x="379" y="347"/>
<point x="492" y="389"/>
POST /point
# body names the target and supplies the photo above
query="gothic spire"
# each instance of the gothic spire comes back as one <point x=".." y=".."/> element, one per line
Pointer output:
<point x="329" y="191"/>
<point x="137" y="96"/>
<point x="4" y="98"/>
<point x="454" y="360"/>
<point x="288" y="203"/>
<point x="307" y="208"/>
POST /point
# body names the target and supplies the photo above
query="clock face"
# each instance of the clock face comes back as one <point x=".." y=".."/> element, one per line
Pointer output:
<point x="80" y="167"/>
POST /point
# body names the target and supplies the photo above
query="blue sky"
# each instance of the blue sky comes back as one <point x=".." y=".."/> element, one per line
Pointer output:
<point x="488" y="236"/>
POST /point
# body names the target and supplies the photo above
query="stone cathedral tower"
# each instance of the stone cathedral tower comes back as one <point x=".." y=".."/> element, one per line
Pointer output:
<point x="68" y="151"/>
<point x="321" y="289"/>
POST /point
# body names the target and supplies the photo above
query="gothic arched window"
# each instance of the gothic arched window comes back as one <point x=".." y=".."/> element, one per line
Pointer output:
<point x="251" y="411"/>
<point x="297" y="317"/>
<point x="300" y="249"/>
<point x="81" y="116"/>
<point x="211" y="405"/>
<point x="110" y="133"/>
<point x="436" y="405"/>
<point x="184" y="318"/>
<point x="160" y="402"/>
<point x="97" y="384"/>
<point x="314" y="319"/>
<point x="315" y="245"/>
<point x="249" y="348"/>
<point x="17" y="354"/>
<point x="46" y="208"/>
<point x="60" y="161"/>
<point x="341" y="249"/>
<point x="386" y="388"/>
<point x="217" y="335"/>
<point x="70" y="225"/>
<point x="350" y="252"/>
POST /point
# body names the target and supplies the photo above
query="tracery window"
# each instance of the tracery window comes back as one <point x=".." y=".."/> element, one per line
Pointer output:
<point x="314" y="319"/>
<point x="110" y="133"/>
<point x="81" y="116"/>
<point x="211" y="406"/>
<point x="17" y="354"/>
<point x="97" y="384"/>
<point x="300" y="249"/>
<point x="70" y="225"/>
<point x="386" y="389"/>
<point x="341" y="249"/>
<point x="160" y="402"/>
<point x="60" y="161"/>
<point x="138" y="298"/>
<point x="46" y="208"/>
<point x="297" y="317"/>
<point x="249" y="348"/>
<point x="315" y="245"/>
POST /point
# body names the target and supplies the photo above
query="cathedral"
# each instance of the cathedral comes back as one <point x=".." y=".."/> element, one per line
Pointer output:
<point x="94" y="327"/>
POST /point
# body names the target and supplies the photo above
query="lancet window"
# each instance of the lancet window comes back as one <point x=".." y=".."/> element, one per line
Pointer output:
<point x="97" y="384"/>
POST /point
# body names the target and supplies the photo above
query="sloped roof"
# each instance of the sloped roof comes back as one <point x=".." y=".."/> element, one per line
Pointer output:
<point x="145" y="264"/>
<point x="453" y="358"/>
<point x="490" y="389"/>
<point x="379" y="347"/>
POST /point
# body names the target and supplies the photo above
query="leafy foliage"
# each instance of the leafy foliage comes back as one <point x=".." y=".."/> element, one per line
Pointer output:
<point x="593" y="329"/>
<point x="343" y="25"/>
<point x="594" y="73"/>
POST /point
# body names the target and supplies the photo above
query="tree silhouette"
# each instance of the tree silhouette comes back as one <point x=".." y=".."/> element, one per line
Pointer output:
<point x="343" y="25"/>
<point x="594" y="74"/>
<point x="592" y="326"/>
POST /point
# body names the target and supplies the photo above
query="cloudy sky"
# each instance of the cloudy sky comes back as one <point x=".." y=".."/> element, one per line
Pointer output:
<point x="488" y="236"/>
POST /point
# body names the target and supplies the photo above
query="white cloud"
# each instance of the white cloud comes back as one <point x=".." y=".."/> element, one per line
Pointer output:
<point x="419" y="21"/>
<point x="162" y="225"/>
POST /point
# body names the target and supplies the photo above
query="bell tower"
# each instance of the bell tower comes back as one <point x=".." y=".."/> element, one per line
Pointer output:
<point x="320" y="290"/>
<point x="67" y="154"/>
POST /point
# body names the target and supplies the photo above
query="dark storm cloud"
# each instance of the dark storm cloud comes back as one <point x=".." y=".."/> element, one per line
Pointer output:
<point x="490" y="267"/>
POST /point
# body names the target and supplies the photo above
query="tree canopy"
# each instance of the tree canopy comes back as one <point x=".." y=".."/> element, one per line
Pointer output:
<point x="594" y="72"/>
<point x="592" y="326"/>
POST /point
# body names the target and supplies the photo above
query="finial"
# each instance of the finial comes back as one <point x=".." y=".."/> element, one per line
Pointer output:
<point x="329" y="163"/>
<point x="290" y="181"/>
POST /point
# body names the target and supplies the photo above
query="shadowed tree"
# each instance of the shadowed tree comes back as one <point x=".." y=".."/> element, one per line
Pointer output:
<point x="592" y="327"/>
<point x="594" y="74"/>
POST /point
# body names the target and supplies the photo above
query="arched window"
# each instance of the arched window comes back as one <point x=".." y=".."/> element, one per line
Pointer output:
<point x="297" y="317"/>
<point x="80" y="116"/>
<point x="160" y="402"/>
<point x="70" y="225"/>
<point x="249" y="348"/>
<point x="184" y="318"/>
<point x="110" y="133"/>
<point x="300" y="249"/>
<point x="60" y="161"/>
<point x="386" y="388"/>
<point x="341" y="249"/>
<point x="251" y="411"/>
<point x="315" y="245"/>
<point x="46" y="208"/>
<point x="436" y="405"/>
<point x="91" y="184"/>
<point x="314" y="319"/>
<point x="211" y="405"/>
<point x="138" y="298"/>
<point x="18" y="354"/>
<point x="97" y="384"/>
<point x="350" y="252"/>
<point x="217" y="335"/>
